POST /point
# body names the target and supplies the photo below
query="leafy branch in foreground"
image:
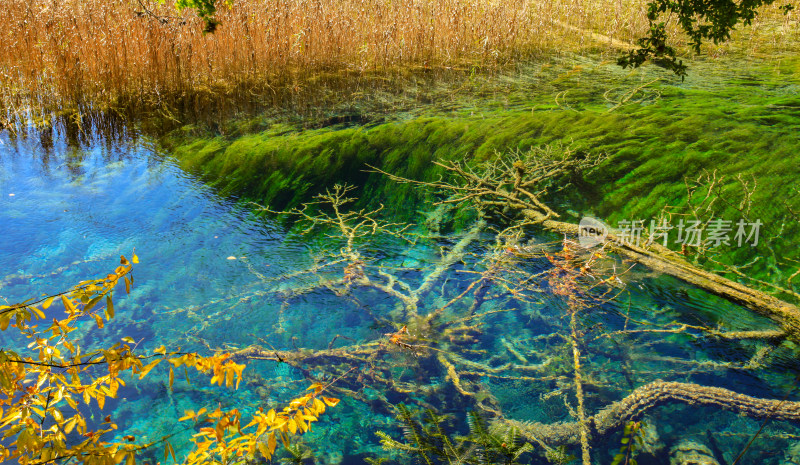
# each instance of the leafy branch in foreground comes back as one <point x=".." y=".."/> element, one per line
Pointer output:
<point x="226" y="438"/>
<point x="47" y="388"/>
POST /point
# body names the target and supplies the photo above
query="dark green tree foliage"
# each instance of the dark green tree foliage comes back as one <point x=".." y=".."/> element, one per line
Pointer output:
<point x="432" y="444"/>
<point x="206" y="9"/>
<point x="701" y="20"/>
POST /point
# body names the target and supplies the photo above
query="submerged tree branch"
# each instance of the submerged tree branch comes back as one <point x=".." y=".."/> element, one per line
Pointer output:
<point x="645" y="398"/>
<point x="513" y="187"/>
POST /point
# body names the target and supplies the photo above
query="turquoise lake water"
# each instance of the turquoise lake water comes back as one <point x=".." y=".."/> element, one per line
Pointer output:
<point x="215" y="272"/>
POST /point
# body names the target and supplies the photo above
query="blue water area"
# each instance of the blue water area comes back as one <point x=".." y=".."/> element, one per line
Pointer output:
<point x="217" y="273"/>
<point x="68" y="213"/>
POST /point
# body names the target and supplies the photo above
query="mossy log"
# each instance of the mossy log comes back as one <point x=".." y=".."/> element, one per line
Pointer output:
<point x="645" y="398"/>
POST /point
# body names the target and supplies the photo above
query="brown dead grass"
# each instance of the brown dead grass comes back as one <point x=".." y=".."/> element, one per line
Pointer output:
<point x="57" y="53"/>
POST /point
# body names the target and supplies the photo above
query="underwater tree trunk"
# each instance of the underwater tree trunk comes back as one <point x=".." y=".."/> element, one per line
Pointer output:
<point x="645" y="398"/>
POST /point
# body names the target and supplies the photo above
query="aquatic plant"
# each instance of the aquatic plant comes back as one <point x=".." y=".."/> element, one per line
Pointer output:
<point x="298" y="454"/>
<point x="715" y="123"/>
<point x="632" y="438"/>
<point x="432" y="443"/>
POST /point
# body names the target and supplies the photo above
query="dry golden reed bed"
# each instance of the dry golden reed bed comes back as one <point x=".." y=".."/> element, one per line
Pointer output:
<point x="59" y="52"/>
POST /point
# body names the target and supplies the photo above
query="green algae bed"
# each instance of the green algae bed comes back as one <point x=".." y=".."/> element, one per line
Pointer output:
<point x="731" y="119"/>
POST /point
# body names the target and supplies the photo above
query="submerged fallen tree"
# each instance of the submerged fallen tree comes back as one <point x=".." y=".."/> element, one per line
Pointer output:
<point x="608" y="420"/>
<point x="436" y="355"/>
<point x="514" y="186"/>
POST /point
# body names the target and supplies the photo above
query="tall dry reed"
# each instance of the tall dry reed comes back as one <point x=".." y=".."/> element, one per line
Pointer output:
<point x="56" y="53"/>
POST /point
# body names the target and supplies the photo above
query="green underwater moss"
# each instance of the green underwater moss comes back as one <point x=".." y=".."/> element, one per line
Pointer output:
<point x="732" y="120"/>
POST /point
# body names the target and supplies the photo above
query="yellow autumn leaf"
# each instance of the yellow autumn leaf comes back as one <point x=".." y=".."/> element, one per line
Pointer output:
<point x="91" y="303"/>
<point x="281" y="424"/>
<point x="109" y="308"/>
<point x="39" y="313"/>
<point x="331" y="401"/>
<point x="68" y="305"/>
<point x="149" y="367"/>
<point x="319" y="406"/>
<point x="301" y="425"/>
<point x="120" y="456"/>
<point x="70" y="425"/>
<point x="171" y="452"/>
<point x="264" y="450"/>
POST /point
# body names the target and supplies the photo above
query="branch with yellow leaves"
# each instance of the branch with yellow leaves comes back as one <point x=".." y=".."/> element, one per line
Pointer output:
<point x="226" y="438"/>
<point x="46" y="387"/>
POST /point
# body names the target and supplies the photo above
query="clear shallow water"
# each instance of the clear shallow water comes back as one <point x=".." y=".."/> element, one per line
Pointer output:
<point x="74" y="210"/>
<point x="67" y="214"/>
